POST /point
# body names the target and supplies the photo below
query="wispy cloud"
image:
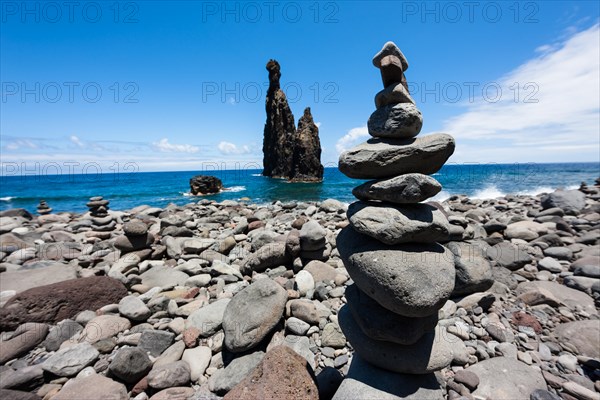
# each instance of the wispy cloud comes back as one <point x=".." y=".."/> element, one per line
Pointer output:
<point x="76" y="141"/>
<point x="351" y="138"/>
<point x="229" y="148"/>
<point x="556" y="111"/>
<point x="163" y="145"/>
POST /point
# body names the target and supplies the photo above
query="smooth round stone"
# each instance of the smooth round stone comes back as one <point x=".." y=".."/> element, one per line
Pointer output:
<point x="398" y="121"/>
<point x="379" y="323"/>
<point x="386" y="158"/>
<point x="393" y="94"/>
<point x="414" y="223"/>
<point x="413" y="280"/>
<point x="403" y="189"/>
<point x="135" y="228"/>
<point x="431" y="353"/>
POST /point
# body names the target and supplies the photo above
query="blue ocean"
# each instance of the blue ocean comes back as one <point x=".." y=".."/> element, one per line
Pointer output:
<point x="70" y="192"/>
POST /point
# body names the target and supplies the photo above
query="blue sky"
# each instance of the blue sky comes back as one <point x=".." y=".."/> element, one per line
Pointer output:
<point x="153" y="85"/>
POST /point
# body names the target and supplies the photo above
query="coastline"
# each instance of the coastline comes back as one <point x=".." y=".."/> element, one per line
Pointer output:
<point x="205" y="252"/>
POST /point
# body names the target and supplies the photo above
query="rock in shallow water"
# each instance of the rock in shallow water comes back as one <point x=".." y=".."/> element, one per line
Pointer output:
<point x="403" y="189"/>
<point x="386" y="158"/>
<point x="434" y="351"/>
<point x="397" y="121"/>
<point x="413" y="280"/>
<point x="415" y="223"/>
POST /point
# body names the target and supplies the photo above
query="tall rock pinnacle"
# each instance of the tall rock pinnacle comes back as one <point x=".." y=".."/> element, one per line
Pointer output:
<point x="289" y="153"/>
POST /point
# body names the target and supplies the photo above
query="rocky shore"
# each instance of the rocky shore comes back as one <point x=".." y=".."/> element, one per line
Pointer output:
<point x="241" y="301"/>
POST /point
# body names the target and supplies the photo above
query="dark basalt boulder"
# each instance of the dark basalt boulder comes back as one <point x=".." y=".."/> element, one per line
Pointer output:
<point x="205" y="184"/>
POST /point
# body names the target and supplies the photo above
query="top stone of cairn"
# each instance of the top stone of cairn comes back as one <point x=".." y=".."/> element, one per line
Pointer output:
<point x="390" y="49"/>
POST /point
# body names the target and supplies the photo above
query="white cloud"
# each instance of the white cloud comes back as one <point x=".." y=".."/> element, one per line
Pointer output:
<point x="231" y="148"/>
<point x="557" y="114"/>
<point x="21" y="144"/>
<point x="76" y="141"/>
<point x="163" y="145"/>
<point x="351" y="138"/>
<point x="318" y="124"/>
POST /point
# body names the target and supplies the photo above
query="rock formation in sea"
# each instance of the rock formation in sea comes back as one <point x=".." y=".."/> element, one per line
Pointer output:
<point x="205" y="184"/>
<point x="306" y="158"/>
<point x="402" y="274"/>
<point x="289" y="153"/>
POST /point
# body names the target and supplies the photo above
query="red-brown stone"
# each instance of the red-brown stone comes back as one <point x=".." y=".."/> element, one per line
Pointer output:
<point x="58" y="301"/>
<point x="282" y="374"/>
<point x="522" y="319"/>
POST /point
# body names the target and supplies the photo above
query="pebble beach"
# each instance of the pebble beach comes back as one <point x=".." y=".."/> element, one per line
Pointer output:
<point x="191" y="301"/>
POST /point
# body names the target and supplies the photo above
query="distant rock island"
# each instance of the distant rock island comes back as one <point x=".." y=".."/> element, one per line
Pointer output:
<point x="205" y="184"/>
<point x="289" y="153"/>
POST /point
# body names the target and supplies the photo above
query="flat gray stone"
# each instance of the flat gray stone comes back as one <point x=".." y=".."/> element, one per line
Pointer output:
<point x="504" y="378"/>
<point x="155" y="342"/>
<point x="133" y="308"/>
<point x="209" y="318"/>
<point x="473" y="270"/>
<point x="379" y="323"/>
<point x="413" y="280"/>
<point x="225" y="379"/>
<point x="396" y="121"/>
<point x="415" y="223"/>
<point x="367" y="382"/>
<point x="69" y="361"/>
<point x="573" y="299"/>
<point x="583" y="335"/>
<point x="386" y="158"/>
<point x="570" y="201"/>
<point x="163" y="277"/>
<point x="434" y="351"/>
<point x="403" y="189"/>
<point x="508" y="255"/>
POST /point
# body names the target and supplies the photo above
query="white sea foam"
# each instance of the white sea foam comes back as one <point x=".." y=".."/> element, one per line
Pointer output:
<point x="235" y="189"/>
<point x="441" y="196"/>
<point x="7" y="198"/>
<point x="257" y="174"/>
<point x="535" y="191"/>
<point x="186" y="194"/>
<point x="490" y="192"/>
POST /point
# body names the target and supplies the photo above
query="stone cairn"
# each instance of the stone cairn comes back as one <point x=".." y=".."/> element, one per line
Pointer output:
<point x="135" y="237"/>
<point x="43" y="208"/>
<point x="101" y="219"/>
<point x="402" y="275"/>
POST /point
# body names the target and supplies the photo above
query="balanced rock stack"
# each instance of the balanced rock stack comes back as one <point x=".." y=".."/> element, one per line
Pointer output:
<point x="402" y="275"/>
<point x="102" y="220"/>
<point x="43" y="208"/>
<point x="136" y="237"/>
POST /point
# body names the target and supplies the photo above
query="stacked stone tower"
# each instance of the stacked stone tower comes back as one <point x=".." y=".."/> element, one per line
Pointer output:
<point x="402" y="275"/>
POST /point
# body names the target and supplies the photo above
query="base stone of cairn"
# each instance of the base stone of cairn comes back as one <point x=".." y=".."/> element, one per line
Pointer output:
<point x="43" y="208"/>
<point x="402" y="275"/>
<point x="101" y="219"/>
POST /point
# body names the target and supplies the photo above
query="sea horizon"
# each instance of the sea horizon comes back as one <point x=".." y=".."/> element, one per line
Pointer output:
<point x="69" y="192"/>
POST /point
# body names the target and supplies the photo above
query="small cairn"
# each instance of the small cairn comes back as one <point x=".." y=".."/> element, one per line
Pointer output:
<point x="102" y="220"/>
<point x="136" y="237"/>
<point x="43" y="208"/>
<point x="402" y="275"/>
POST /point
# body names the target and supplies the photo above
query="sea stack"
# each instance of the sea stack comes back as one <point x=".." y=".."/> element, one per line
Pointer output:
<point x="402" y="275"/>
<point x="289" y="153"/>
